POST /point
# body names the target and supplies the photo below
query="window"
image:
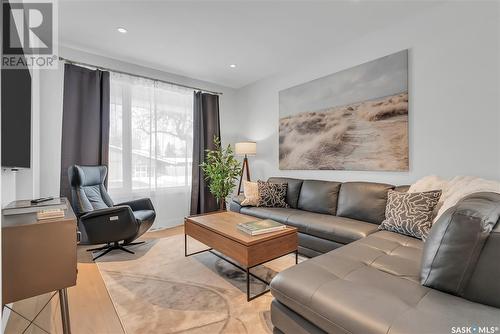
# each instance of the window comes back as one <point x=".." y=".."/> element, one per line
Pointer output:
<point x="150" y="145"/>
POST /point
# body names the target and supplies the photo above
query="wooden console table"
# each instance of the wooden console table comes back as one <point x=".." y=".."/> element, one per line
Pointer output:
<point x="39" y="257"/>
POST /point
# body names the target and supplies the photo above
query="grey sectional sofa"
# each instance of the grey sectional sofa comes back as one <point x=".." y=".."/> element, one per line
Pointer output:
<point x="383" y="282"/>
<point x="328" y="214"/>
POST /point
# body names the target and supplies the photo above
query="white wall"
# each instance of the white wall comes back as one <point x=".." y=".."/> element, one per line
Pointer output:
<point x="454" y="95"/>
<point x="51" y="96"/>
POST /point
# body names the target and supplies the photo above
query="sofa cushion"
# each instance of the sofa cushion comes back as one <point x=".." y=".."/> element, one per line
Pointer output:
<point x="455" y="247"/>
<point x="338" y="229"/>
<point x="286" y="321"/>
<point x="364" y="201"/>
<point x="361" y="287"/>
<point x="317" y="244"/>
<point x="433" y="314"/>
<point x="278" y="214"/>
<point x="319" y="196"/>
<point x="293" y="191"/>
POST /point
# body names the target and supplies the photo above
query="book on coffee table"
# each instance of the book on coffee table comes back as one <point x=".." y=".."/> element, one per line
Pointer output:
<point x="260" y="227"/>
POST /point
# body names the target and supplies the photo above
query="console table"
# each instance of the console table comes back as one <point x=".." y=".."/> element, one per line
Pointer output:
<point x="39" y="256"/>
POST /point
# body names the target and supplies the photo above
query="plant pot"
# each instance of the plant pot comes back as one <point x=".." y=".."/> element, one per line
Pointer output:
<point x="222" y="205"/>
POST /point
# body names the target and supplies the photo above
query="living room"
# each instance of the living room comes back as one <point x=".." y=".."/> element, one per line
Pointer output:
<point x="145" y="144"/>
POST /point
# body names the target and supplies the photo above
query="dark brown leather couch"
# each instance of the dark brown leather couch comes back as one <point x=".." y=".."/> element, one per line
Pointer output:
<point x="383" y="282"/>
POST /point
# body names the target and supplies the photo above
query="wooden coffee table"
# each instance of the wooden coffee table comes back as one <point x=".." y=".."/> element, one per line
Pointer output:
<point x="219" y="232"/>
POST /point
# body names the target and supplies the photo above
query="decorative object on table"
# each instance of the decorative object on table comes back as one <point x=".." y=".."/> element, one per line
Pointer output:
<point x="272" y="194"/>
<point x="260" y="227"/>
<point x="355" y="119"/>
<point x="245" y="148"/>
<point x="100" y="221"/>
<point x="221" y="171"/>
<point x="410" y="213"/>
<point x="251" y="192"/>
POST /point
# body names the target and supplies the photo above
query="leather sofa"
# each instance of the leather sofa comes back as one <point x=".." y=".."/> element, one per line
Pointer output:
<point x="384" y="282"/>
<point x="327" y="214"/>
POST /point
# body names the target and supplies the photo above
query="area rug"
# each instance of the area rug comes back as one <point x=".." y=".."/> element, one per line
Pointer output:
<point x="158" y="290"/>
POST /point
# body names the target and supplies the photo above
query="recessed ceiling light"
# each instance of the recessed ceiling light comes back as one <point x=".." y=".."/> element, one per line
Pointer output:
<point x="122" y="30"/>
<point x="232" y="65"/>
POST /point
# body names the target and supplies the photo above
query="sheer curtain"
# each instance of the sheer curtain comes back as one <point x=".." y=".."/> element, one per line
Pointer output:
<point x="150" y="145"/>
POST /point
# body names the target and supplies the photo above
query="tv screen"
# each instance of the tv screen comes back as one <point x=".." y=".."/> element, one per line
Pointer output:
<point x="16" y="118"/>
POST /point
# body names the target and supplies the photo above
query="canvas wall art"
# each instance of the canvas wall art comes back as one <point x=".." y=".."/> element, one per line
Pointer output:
<point x="356" y="119"/>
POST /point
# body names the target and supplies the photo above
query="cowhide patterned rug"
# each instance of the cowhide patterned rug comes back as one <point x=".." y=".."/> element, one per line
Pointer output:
<point x="158" y="290"/>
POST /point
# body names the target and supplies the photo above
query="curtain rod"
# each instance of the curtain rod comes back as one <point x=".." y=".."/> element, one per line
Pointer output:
<point x="137" y="75"/>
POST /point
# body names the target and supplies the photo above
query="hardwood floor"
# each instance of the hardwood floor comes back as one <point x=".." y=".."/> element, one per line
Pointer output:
<point x="91" y="309"/>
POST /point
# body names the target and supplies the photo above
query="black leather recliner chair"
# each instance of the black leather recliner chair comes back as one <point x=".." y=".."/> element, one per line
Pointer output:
<point x="99" y="220"/>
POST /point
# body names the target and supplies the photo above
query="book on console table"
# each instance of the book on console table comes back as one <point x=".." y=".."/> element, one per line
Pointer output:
<point x="50" y="214"/>
<point x="261" y="227"/>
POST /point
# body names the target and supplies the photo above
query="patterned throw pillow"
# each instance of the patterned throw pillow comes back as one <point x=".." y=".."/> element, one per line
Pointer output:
<point x="251" y="192"/>
<point x="410" y="213"/>
<point x="272" y="194"/>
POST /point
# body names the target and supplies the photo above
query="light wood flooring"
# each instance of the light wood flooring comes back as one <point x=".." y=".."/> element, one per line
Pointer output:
<point x="91" y="309"/>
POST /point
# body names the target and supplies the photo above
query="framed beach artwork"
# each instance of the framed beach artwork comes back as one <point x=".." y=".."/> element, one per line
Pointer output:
<point x="355" y="119"/>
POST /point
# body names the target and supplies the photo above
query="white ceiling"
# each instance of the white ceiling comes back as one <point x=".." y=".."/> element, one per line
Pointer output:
<point x="200" y="39"/>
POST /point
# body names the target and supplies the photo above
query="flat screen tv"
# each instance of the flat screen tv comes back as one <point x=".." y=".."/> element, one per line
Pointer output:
<point x="16" y="118"/>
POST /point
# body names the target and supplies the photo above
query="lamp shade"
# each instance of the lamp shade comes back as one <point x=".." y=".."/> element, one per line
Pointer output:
<point x="246" y="147"/>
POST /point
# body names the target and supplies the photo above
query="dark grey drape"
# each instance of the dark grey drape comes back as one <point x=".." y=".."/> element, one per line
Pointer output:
<point x="206" y="125"/>
<point x="85" y="130"/>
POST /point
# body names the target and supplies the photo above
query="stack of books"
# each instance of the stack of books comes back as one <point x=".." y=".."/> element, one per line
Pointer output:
<point x="50" y="214"/>
<point x="260" y="227"/>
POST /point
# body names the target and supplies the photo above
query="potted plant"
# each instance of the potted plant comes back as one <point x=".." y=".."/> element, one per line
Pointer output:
<point x="221" y="171"/>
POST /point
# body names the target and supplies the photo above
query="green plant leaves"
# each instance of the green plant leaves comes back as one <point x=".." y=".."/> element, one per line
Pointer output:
<point x="221" y="170"/>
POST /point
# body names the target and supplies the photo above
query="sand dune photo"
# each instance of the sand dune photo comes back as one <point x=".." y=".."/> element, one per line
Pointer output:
<point x="356" y="119"/>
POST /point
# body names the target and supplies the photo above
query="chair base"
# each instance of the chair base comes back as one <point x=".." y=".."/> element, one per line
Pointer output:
<point x="112" y="246"/>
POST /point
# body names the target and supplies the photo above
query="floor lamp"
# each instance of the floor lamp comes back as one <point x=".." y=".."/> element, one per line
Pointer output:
<point x="245" y="148"/>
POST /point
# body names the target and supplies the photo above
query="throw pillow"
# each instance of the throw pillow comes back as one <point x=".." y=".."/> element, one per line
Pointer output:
<point x="251" y="192"/>
<point x="272" y="194"/>
<point x="410" y="213"/>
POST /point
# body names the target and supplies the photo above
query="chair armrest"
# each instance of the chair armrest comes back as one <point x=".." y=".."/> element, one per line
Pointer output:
<point x="139" y="204"/>
<point x="107" y="212"/>
<point x="108" y="225"/>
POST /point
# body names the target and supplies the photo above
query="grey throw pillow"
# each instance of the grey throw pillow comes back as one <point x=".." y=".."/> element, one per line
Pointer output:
<point x="410" y="213"/>
<point x="272" y="194"/>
